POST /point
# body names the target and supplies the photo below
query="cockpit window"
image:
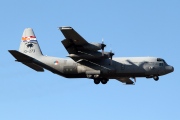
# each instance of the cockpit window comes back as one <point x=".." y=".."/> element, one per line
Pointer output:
<point x="160" y="59"/>
<point x="161" y="64"/>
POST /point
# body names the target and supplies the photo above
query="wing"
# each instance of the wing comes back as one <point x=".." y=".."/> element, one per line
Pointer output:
<point x="125" y="80"/>
<point x="78" y="48"/>
<point x="73" y="41"/>
<point x="70" y="34"/>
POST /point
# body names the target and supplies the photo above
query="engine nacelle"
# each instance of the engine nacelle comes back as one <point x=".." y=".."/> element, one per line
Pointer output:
<point x="93" y="46"/>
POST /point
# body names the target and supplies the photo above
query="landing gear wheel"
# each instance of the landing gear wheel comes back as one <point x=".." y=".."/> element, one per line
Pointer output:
<point x="96" y="81"/>
<point x="156" y="78"/>
<point x="104" y="81"/>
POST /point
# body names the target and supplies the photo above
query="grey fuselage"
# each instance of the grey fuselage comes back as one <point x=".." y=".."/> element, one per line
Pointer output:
<point x="120" y="67"/>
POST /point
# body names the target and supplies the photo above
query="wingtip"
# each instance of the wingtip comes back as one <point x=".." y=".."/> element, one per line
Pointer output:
<point x="65" y="28"/>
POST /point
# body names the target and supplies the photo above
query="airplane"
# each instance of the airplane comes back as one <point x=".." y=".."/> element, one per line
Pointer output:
<point x="88" y="60"/>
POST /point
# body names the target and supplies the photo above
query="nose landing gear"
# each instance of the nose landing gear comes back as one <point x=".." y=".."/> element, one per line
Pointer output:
<point x="156" y="78"/>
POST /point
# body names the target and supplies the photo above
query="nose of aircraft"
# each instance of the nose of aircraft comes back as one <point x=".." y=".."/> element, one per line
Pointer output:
<point x="169" y="68"/>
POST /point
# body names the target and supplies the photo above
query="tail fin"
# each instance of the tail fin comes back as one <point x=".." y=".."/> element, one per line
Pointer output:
<point x="29" y="44"/>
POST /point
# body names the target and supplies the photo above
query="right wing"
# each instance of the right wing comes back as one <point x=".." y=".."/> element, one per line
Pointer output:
<point x="78" y="48"/>
<point x="71" y="34"/>
<point x="73" y="41"/>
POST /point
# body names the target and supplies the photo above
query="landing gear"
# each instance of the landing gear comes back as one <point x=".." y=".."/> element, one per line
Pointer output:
<point x="156" y="78"/>
<point x="102" y="80"/>
<point x="96" y="81"/>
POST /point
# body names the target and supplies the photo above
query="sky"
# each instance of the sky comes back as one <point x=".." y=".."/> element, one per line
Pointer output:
<point x="129" y="27"/>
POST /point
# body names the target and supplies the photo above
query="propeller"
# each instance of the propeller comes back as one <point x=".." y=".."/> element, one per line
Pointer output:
<point x="102" y="46"/>
<point x="134" y="79"/>
<point x="111" y="55"/>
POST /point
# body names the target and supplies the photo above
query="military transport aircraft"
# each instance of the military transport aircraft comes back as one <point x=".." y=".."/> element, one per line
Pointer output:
<point x="88" y="60"/>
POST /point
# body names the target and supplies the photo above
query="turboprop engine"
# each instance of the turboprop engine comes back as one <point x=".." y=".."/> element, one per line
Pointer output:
<point x="94" y="46"/>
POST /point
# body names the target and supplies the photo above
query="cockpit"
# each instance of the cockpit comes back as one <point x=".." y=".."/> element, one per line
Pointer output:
<point x="162" y="61"/>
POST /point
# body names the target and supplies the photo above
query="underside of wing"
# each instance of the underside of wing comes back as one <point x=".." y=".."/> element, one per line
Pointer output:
<point x="73" y="42"/>
<point x="125" y="80"/>
<point x="70" y="46"/>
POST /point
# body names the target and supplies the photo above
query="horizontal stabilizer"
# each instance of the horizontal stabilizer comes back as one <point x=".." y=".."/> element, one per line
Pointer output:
<point x="20" y="56"/>
<point x="26" y="60"/>
<point x="34" y="66"/>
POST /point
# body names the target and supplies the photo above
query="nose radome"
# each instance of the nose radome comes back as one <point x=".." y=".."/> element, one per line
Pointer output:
<point x="170" y="68"/>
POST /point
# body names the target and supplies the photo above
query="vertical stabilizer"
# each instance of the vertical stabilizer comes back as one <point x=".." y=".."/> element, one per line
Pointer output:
<point x="29" y="44"/>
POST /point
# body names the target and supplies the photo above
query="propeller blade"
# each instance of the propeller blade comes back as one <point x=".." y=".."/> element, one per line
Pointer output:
<point x="111" y="55"/>
<point x="102" y="46"/>
<point x="111" y="60"/>
<point x="102" y="52"/>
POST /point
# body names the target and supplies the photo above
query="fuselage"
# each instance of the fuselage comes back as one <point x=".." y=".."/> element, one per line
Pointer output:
<point x="120" y="67"/>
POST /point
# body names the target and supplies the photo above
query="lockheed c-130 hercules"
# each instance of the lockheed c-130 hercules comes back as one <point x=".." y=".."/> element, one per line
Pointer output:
<point x="88" y="60"/>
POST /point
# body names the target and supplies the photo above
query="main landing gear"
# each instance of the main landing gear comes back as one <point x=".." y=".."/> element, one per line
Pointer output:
<point x="97" y="81"/>
<point x="102" y="80"/>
